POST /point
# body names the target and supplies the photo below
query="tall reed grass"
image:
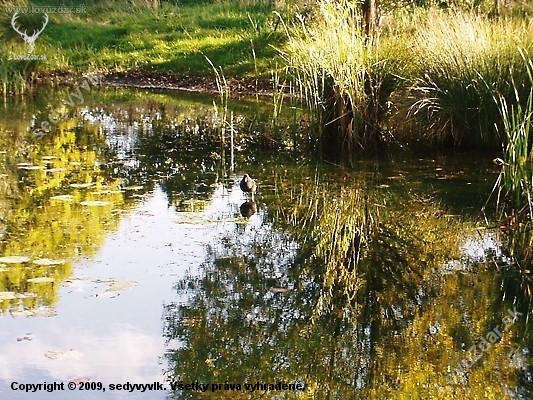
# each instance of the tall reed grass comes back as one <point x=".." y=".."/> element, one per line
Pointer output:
<point x="425" y="72"/>
<point x="339" y="71"/>
<point x="515" y="182"/>
<point x="455" y="55"/>
<point x="13" y="74"/>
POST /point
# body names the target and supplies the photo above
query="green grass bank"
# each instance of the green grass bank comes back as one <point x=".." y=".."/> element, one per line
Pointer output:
<point x="148" y="36"/>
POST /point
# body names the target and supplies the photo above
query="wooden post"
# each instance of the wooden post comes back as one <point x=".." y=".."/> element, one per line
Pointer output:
<point x="370" y="16"/>
<point x="497" y="6"/>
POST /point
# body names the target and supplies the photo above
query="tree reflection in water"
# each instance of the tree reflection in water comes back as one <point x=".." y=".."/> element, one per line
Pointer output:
<point x="392" y="325"/>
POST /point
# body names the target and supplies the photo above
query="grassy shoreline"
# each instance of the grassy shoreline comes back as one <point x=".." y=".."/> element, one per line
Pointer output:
<point x="118" y="37"/>
<point x="429" y="75"/>
<point x="237" y="86"/>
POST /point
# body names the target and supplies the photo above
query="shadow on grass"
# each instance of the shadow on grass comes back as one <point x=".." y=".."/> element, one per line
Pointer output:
<point x="97" y="36"/>
<point x="235" y="57"/>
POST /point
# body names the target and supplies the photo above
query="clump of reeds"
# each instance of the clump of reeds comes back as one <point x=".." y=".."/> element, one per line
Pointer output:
<point x="515" y="182"/>
<point x="443" y="58"/>
<point x="13" y="74"/>
<point x="338" y="70"/>
<point x="514" y="186"/>
<point x="456" y="54"/>
<point x="516" y="176"/>
<point x="220" y="118"/>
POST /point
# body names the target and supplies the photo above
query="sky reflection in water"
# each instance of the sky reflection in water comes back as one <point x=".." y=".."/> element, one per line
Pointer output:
<point x="116" y="339"/>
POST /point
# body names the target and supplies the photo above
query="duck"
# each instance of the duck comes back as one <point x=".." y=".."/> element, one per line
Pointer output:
<point x="247" y="184"/>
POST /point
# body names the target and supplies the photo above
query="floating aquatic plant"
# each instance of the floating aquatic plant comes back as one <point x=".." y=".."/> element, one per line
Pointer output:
<point x="14" y="259"/>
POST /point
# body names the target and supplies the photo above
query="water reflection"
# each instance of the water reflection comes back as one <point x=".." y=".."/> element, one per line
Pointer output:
<point x="130" y="204"/>
<point x="235" y="329"/>
<point x="248" y="208"/>
<point x="407" y="328"/>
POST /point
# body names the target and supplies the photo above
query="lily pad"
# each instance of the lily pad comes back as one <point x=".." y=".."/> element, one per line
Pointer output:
<point x="8" y="296"/>
<point x="47" y="262"/>
<point x="121" y="285"/>
<point x="82" y="185"/>
<point x="39" y="312"/>
<point x="56" y="355"/>
<point x="133" y="188"/>
<point x="107" y="295"/>
<point x="46" y="158"/>
<point x="95" y="203"/>
<point x="53" y="355"/>
<point x="23" y="164"/>
<point x="14" y="259"/>
<point x="41" y="279"/>
<point x="21" y="313"/>
<point x="107" y="192"/>
<point x="277" y="290"/>
<point x="63" y="197"/>
<point x="114" y="289"/>
<point x="26" y="295"/>
<point x="31" y="167"/>
<point x="54" y="170"/>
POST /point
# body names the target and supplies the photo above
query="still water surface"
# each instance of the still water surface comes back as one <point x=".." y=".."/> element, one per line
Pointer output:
<point x="138" y="266"/>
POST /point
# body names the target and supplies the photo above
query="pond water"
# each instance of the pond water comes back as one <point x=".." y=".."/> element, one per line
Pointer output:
<point x="125" y="258"/>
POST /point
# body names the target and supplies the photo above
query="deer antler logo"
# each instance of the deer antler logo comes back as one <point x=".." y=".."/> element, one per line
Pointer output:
<point x="29" y="39"/>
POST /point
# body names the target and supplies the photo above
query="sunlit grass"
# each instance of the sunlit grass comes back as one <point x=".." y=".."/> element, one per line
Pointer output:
<point x="340" y="71"/>
<point x="515" y="182"/>
<point x="461" y="60"/>
<point x="118" y="36"/>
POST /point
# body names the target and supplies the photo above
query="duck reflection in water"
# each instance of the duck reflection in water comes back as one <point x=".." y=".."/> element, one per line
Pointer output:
<point x="248" y="208"/>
